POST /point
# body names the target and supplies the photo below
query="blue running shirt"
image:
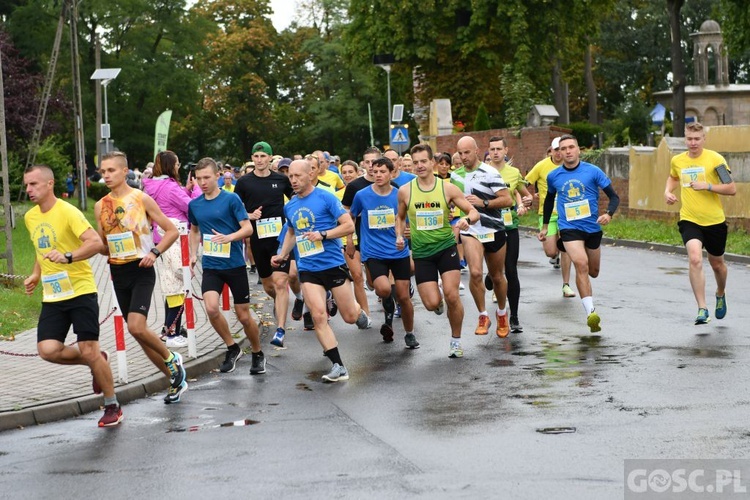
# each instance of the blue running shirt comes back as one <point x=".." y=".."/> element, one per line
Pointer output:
<point x="223" y="214"/>
<point x="378" y="226"/>
<point x="318" y="211"/>
<point x="578" y="196"/>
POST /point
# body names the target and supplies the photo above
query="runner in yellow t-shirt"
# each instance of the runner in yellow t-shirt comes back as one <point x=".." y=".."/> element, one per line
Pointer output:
<point x="702" y="176"/>
<point x="64" y="240"/>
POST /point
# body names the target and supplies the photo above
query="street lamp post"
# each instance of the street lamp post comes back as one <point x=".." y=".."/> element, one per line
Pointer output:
<point x="386" y="61"/>
<point x="105" y="77"/>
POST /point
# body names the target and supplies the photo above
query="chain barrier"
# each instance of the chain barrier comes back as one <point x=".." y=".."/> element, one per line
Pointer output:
<point x="8" y="353"/>
<point x="12" y="277"/>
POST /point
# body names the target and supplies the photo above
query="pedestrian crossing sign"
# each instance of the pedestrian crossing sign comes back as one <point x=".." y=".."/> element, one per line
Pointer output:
<point x="399" y="135"/>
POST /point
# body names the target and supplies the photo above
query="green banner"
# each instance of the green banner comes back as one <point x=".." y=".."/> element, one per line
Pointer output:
<point x="162" y="132"/>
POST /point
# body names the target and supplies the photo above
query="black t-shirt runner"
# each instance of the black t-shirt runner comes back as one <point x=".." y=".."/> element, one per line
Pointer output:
<point x="267" y="192"/>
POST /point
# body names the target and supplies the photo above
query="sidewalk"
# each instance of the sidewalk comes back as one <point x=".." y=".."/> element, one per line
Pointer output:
<point x="34" y="391"/>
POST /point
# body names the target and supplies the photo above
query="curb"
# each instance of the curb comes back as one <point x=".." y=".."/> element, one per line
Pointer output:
<point x="81" y="405"/>
<point x="655" y="247"/>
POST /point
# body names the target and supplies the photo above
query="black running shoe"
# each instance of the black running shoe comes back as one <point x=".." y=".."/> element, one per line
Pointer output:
<point x="515" y="326"/>
<point x="299" y="304"/>
<point x="387" y="332"/>
<point x="331" y="305"/>
<point x="230" y="360"/>
<point x="307" y="321"/>
<point x="488" y="282"/>
<point x="258" y="365"/>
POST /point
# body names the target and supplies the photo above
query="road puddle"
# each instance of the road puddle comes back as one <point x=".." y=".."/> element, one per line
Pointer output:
<point x="195" y="428"/>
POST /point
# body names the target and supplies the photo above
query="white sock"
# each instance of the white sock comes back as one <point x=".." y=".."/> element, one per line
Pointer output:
<point x="588" y="304"/>
<point x="502" y="312"/>
<point x="298" y="295"/>
<point x="483" y="313"/>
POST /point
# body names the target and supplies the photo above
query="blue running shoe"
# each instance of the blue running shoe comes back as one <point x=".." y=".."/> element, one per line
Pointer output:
<point x="278" y="337"/>
<point x="702" y="318"/>
<point x="721" y="307"/>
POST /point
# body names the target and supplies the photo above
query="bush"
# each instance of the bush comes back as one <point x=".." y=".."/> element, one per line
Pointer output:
<point x="51" y="153"/>
<point x="97" y="191"/>
<point x="585" y="132"/>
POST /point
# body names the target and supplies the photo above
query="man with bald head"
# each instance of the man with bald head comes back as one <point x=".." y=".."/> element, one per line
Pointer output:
<point x="63" y="241"/>
<point x="485" y="189"/>
<point x="315" y="222"/>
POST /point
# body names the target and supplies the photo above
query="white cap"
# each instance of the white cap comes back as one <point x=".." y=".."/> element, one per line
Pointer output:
<point x="555" y="143"/>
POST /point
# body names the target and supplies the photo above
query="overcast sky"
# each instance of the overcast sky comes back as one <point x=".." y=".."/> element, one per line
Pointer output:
<point x="283" y="13"/>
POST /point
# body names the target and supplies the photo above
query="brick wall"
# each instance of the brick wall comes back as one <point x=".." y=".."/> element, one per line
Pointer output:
<point x="525" y="146"/>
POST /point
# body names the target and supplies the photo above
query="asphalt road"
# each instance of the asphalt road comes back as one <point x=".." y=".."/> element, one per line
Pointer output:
<point x="549" y="413"/>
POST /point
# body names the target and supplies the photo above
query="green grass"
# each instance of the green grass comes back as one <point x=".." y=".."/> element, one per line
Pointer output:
<point x="22" y="310"/>
<point x="624" y="228"/>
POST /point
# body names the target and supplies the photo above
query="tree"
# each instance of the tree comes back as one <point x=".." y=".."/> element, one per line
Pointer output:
<point x="678" y="67"/>
<point x="482" y="120"/>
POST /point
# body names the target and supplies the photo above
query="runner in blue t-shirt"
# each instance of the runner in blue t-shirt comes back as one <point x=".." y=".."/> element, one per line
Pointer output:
<point x="219" y="224"/>
<point x="377" y="205"/>
<point x="576" y="185"/>
<point x="315" y="222"/>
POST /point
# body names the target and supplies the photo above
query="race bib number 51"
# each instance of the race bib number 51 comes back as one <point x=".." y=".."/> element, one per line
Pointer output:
<point x="121" y="245"/>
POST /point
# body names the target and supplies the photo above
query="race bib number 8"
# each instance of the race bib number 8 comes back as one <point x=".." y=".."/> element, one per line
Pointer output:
<point x="307" y="248"/>
<point x="56" y="286"/>
<point x="213" y="249"/>
<point x="269" y="228"/>
<point x="381" y="219"/>
<point x="576" y="210"/>
<point x="694" y="174"/>
<point x="121" y="245"/>
<point x="429" y="220"/>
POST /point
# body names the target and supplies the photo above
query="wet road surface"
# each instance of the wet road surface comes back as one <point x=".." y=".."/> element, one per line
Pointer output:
<point x="549" y="413"/>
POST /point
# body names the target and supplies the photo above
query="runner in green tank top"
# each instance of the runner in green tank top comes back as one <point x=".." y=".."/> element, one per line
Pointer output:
<point x="426" y="200"/>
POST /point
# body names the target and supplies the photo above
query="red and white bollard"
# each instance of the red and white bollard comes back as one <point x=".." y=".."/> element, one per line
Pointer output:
<point x="122" y="355"/>
<point x="188" y="310"/>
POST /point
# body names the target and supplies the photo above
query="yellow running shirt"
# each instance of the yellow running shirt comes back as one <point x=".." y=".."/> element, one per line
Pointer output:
<point x="60" y="229"/>
<point x="700" y="207"/>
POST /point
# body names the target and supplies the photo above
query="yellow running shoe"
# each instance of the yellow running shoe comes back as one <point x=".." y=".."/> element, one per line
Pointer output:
<point x="593" y="322"/>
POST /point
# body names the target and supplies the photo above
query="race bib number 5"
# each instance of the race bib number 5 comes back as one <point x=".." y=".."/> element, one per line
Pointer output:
<point x="429" y="220"/>
<point x="121" y="245"/>
<point x="213" y="249"/>
<point x="576" y="210"/>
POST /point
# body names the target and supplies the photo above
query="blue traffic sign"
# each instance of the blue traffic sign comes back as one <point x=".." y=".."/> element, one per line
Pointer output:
<point x="399" y="135"/>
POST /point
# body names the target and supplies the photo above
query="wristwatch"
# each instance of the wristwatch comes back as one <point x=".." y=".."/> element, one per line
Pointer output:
<point x="69" y="256"/>
<point x="155" y="251"/>
<point x="486" y="203"/>
<point x="610" y="213"/>
<point x="324" y="235"/>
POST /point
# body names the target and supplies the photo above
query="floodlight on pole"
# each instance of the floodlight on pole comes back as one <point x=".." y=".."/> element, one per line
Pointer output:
<point x="105" y="77"/>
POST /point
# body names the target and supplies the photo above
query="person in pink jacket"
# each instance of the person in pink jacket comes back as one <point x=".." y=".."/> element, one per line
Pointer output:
<point x="165" y="188"/>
